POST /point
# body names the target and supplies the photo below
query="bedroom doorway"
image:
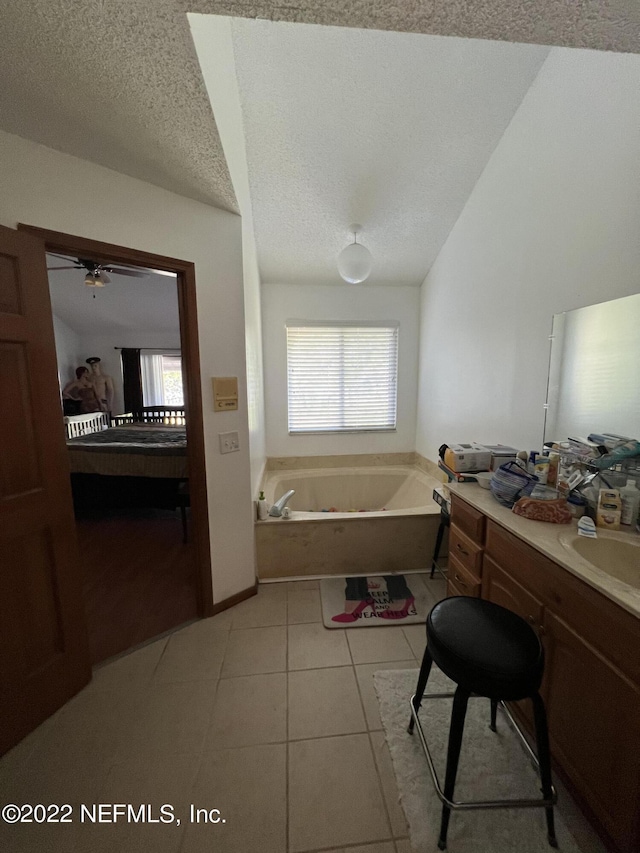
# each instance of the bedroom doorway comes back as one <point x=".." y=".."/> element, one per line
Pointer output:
<point x="126" y="347"/>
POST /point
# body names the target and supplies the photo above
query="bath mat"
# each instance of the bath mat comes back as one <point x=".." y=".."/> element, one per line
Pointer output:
<point x="373" y="596"/>
<point x="492" y="766"/>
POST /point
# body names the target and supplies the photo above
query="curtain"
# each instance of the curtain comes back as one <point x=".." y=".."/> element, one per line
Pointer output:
<point x="152" y="380"/>
<point x="131" y="380"/>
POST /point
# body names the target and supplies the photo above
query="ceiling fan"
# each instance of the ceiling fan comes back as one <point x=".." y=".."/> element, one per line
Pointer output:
<point x="96" y="274"/>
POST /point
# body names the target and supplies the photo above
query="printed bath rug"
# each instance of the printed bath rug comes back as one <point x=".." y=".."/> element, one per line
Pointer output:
<point x="492" y="766"/>
<point x="378" y="600"/>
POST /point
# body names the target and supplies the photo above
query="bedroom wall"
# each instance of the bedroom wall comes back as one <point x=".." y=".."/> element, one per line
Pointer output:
<point x="551" y="225"/>
<point x="341" y="302"/>
<point x="49" y="189"/>
<point x="104" y="346"/>
<point x="68" y="351"/>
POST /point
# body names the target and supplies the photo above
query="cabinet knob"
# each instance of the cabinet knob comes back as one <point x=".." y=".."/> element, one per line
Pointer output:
<point x="460" y="581"/>
<point x="461" y="549"/>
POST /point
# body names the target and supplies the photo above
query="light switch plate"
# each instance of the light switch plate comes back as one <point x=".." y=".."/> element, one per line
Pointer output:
<point x="229" y="442"/>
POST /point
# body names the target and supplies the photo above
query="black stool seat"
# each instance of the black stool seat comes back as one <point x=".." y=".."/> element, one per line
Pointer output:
<point x="489" y="649"/>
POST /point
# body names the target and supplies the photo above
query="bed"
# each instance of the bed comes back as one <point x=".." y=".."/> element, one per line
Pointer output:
<point x="131" y="464"/>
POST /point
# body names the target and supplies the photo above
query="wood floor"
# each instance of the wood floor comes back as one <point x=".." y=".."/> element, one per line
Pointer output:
<point x="139" y="577"/>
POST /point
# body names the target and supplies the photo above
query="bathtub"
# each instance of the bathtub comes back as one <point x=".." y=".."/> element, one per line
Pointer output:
<point x="386" y="521"/>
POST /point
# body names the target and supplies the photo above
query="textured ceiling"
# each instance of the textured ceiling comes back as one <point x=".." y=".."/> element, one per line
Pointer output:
<point x="138" y="304"/>
<point x="117" y="81"/>
<point x="391" y="130"/>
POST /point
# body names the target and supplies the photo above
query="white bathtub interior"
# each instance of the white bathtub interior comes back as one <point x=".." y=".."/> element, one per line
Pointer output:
<point x="399" y="490"/>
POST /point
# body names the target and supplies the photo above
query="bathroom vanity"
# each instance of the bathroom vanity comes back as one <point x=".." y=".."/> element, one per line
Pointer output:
<point x="589" y="624"/>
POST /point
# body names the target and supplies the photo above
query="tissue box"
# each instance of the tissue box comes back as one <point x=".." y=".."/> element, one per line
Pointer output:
<point x="609" y="518"/>
<point x="609" y="510"/>
<point x="501" y="454"/>
<point x="467" y="457"/>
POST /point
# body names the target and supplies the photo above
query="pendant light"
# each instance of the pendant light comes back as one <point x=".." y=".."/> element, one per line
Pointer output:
<point x="355" y="261"/>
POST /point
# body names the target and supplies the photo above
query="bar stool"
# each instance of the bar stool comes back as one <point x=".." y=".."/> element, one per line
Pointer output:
<point x="487" y="651"/>
<point x="445" y="522"/>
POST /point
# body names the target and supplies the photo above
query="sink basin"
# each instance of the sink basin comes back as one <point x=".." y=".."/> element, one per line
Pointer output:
<point x="618" y="556"/>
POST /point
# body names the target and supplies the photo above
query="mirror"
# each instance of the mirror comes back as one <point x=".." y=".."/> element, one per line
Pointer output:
<point x="594" y="371"/>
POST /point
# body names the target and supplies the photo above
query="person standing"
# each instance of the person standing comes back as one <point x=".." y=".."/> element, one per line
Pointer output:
<point x="79" y="396"/>
<point x="102" y="384"/>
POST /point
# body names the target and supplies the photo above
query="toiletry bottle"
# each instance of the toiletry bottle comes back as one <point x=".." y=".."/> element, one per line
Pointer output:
<point x="263" y="510"/>
<point x="630" y="497"/>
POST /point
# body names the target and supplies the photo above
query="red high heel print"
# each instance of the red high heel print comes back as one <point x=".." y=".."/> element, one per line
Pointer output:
<point x="355" y="614"/>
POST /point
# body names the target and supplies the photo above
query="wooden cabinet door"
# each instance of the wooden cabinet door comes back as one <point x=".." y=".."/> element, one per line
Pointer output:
<point x="44" y="656"/>
<point x="594" y="725"/>
<point x="498" y="586"/>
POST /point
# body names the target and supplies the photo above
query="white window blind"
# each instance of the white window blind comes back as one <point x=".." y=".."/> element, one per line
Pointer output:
<point x="342" y="378"/>
<point x="161" y="379"/>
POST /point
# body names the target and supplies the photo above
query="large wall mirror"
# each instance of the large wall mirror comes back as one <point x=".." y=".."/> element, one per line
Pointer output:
<point x="594" y="371"/>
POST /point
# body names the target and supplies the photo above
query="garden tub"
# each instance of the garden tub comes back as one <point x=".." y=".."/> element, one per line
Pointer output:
<point x="348" y="521"/>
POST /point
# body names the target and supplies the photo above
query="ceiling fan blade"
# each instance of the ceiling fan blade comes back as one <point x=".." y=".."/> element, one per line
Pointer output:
<point x="163" y="272"/>
<point x="63" y="257"/>
<point x="121" y="271"/>
<point x="62" y="268"/>
<point x="146" y="271"/>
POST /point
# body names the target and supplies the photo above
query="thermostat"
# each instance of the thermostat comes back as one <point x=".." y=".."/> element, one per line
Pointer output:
<point x="225" y="393"/>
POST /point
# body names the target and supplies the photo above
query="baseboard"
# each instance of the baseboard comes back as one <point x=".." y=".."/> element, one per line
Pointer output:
<point x="235" y="599"/>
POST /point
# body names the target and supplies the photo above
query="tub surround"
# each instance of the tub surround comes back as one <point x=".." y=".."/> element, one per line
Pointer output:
<point x="351" y="460"/>
<point x="547" y="539"/>
<point x="429" y="467"/>
<point x="399" y="538"/>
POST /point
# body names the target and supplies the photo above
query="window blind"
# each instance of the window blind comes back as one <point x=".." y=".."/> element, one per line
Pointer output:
<point x="342" y="378"/>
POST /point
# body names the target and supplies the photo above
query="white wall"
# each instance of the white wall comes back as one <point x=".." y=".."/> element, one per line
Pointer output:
<point x="282" y="302"/>
<point x="212" y="39"/>
<point x="551" y="225"/>
<point x="68" y="351"/>
<point x="49" y="189"/>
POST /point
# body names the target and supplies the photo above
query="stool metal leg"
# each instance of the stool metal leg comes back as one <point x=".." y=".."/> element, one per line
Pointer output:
<point x="494" y="710"/>
<point x="544" y="759"/>
<point x="425" y="669"/>
<point x="436" y="550"/>
<point x="458" y="713"/>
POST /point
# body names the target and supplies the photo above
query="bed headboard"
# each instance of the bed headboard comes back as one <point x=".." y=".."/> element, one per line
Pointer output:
<point x="77" y="425"/>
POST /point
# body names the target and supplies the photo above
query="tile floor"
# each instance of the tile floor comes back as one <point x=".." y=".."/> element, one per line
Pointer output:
<point x="259" y="712"/>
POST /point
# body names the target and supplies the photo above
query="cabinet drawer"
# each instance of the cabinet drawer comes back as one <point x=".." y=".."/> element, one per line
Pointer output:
<point x="461" y="579"/>
<point x="465" y="551"/>
<point x="468" y="519"/>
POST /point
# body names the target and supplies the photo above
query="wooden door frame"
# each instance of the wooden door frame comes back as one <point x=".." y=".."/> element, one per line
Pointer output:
<point x="69" y="244"/>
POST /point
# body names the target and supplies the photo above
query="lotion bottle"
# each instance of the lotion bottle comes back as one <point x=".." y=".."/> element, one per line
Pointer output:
<point x="263" y="510"/>
<point x="630" y="497"/>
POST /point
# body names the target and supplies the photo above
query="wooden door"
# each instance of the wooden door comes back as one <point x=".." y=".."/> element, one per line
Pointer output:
<point x="594" y="725"/>
<point x="43" y="644"/>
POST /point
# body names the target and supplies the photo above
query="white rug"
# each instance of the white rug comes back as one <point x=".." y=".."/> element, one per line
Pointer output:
<point x="332" y="593"/>
<point x="492" y="766"/>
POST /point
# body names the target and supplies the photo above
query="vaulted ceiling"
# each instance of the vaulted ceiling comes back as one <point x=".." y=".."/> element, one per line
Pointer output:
<point x="117" y="82"/>
<point x="389" y="130"/>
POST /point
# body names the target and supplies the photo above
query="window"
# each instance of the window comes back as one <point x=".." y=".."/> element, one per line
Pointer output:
<point x="342" y="378"/>
<point x="162" y="379"/>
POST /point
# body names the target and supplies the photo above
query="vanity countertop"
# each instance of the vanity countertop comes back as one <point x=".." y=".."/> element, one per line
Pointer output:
<point x="547" y="538"/>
